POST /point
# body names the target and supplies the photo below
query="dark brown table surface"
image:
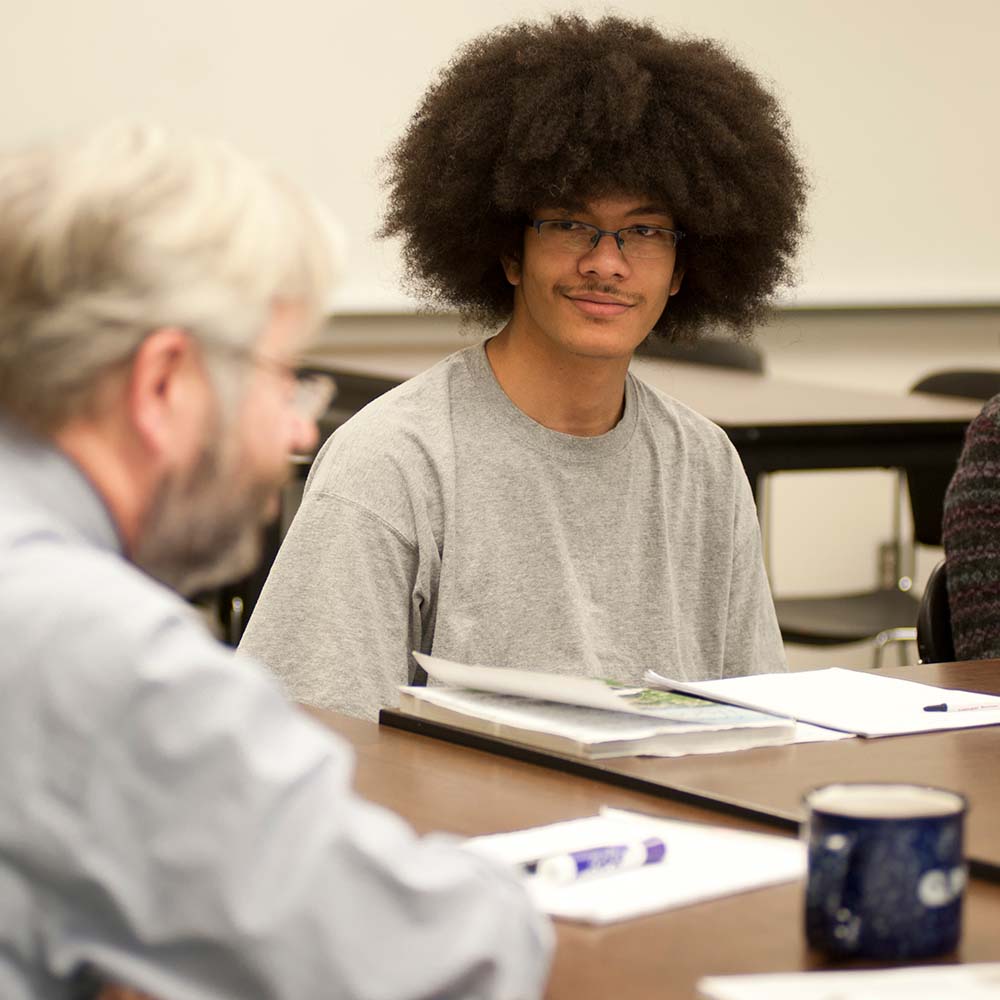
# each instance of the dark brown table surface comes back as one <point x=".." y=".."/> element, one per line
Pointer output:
<point x="436" y="785"/>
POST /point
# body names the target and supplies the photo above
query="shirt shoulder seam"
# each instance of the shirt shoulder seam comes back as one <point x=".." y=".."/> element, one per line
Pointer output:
<point x="368" y="513"/>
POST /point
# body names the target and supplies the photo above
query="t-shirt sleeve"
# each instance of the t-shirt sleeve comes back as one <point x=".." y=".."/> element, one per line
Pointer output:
<point x="346" y="601"/>
<point x="753" y="638"/>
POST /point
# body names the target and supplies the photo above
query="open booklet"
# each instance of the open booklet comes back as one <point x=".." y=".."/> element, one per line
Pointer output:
<point x="588" y="717"/>
<point x="852" y="701"/>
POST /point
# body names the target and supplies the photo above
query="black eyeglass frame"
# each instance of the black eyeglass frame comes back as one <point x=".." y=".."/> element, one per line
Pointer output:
<point x="599" y="234"/>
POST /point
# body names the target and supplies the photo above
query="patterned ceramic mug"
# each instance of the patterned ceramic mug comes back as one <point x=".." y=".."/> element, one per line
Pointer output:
<point x="886" y="870"/>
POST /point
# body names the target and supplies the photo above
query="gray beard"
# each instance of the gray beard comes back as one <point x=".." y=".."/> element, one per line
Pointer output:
<point x="204" y="527"/>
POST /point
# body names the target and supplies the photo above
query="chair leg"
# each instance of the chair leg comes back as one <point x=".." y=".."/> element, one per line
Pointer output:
<point x="904" y="542"/>
<point x="897" y="635"/>
<point x="878" y="646"/>
<point x="901" y="652"/>
<point x="234" y="629"/>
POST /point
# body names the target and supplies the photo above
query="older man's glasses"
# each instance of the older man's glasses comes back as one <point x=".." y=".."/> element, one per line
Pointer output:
<point x="570" y="236"/>
<point x="312" y="391"/>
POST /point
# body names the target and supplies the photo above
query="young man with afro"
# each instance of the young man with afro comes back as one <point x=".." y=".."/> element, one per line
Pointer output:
<point x="528" y="502"/>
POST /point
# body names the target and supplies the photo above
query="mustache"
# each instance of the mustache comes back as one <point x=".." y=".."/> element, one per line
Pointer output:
<point x="581" y="291"/>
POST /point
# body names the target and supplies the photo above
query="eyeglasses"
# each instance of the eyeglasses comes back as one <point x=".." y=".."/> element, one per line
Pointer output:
<point x="313" y="391"/>
<point x="570" y="236"/>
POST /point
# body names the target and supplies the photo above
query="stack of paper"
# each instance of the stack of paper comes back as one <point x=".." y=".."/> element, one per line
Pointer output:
<point x="701" y="862"/>
<point x="589" y="717"/>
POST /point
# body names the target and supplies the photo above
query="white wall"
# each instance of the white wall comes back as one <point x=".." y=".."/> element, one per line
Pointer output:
<point x="893" y="102"/>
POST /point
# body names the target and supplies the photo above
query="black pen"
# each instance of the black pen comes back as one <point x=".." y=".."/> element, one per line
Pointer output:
<point x="943" y="707"/>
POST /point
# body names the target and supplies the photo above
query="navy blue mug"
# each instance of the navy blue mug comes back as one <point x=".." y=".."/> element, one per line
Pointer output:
<point x="886" y="870"/>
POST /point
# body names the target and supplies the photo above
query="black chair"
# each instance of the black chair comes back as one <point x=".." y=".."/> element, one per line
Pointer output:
<point x="934" y="639"/>
<point x="706" y="351"/>
<point x="881" y="616"/>
<point x="889" y="614"/>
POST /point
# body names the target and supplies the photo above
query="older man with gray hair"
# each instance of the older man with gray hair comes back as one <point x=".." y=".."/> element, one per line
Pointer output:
<point x="167" y="819"/>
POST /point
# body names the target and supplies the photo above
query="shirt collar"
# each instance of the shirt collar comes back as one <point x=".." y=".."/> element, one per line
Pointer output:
<point x="37" y="473"/>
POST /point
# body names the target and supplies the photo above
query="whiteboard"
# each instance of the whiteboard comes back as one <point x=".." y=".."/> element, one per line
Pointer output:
<point x="893" y="102"/>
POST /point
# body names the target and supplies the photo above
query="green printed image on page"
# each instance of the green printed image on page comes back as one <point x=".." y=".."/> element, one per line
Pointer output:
<point x="653" y="697"/>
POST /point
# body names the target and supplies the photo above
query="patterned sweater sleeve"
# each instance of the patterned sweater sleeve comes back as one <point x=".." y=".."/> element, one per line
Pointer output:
<point x="971" y="532"/>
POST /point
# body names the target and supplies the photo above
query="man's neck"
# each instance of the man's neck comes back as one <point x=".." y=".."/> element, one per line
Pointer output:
<point x="572" y="394"/>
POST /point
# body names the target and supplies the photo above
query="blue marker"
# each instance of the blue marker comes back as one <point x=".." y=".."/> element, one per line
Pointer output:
<point x="573" y="865"/>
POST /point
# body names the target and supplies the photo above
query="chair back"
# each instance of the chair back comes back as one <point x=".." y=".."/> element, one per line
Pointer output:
<point x="969" y="384"/>
<point x="934" y="639"/>
<point x="706" y="351"/>
<point x="929" y="483"/>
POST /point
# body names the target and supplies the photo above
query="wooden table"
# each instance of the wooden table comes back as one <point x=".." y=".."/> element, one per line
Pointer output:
<point x="440" y="786"/>
<point x="767" y="784"/>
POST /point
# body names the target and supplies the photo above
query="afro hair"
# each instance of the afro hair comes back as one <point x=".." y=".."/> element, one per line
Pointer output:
<point x="565" y="111"/>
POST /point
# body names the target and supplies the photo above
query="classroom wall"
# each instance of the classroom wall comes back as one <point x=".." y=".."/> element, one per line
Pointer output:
<point x="893" y="103"/>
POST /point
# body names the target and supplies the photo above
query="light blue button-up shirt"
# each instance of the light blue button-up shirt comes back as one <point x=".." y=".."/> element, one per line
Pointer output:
<point x="168" y="818"/>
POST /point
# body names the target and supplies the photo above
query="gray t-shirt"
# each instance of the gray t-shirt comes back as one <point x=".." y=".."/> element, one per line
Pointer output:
<point x="442" y="518"/>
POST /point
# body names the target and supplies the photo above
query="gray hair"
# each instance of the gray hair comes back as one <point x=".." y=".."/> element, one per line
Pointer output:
<point x="134" y="229"/>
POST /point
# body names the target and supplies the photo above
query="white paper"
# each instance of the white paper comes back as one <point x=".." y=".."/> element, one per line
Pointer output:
<point x="702" y="862"/>
<point x="928" y="982"/>
<point x="849" y="700"/>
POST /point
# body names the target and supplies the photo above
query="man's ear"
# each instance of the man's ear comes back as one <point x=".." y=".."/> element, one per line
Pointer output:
<point x="158" y="389"/>
<point x="512" y="268"/>
<point x="676" y="279"/>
